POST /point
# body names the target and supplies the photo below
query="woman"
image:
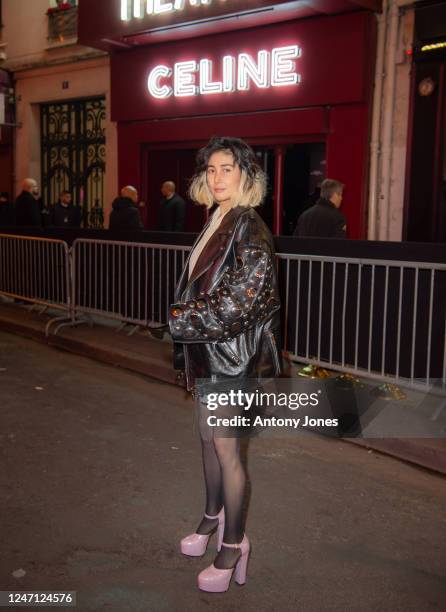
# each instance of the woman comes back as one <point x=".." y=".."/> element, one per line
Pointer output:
<point x="226" y="325"/>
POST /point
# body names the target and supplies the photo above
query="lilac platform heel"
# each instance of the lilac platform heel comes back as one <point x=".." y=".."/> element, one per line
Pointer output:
<point x="195" y="544"/>
<point x="214" y="580"/>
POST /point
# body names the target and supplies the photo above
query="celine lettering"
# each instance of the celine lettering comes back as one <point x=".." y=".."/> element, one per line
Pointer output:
<point x="275" y="68"/>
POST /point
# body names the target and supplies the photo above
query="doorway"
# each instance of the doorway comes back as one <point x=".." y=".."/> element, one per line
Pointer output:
<point x="178" y="166"/>
<point x="303" y="171"/>
<point x="425" y="214"/>
<point x="73" y="155"/>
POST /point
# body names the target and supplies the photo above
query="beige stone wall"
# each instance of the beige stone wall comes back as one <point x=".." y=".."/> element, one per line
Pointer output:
<point x="85" y="78"/>
<point x="400" y="127"/>
<point x="388" y="152"/>
<point x="24" y="30"/>
<point x="25" y="36"/>
<point x="39" y="68"/>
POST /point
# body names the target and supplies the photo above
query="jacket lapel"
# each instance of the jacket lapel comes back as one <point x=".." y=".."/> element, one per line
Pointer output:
<point x="182" y="282"/>
<point x="215" y="245"/>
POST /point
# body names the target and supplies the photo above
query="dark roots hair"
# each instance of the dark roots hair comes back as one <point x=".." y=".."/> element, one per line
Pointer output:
<point x="253" y="182"/>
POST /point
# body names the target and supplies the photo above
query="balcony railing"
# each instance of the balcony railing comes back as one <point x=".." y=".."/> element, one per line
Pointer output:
<point x="62" y="24"/>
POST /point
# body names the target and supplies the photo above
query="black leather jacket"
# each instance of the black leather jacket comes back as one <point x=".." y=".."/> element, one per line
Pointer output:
<point x="226" y="318"/>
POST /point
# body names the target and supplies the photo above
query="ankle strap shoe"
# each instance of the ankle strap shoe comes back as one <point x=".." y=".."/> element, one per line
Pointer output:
<point x="214" y="580"/>
<point x="195" y="544"/>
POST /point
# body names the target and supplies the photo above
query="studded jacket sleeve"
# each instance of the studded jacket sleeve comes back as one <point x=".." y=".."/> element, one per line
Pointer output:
<point x="243" y="298"/>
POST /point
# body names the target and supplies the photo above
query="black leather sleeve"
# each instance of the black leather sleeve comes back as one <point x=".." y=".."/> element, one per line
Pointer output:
<point x="243" y="298"/>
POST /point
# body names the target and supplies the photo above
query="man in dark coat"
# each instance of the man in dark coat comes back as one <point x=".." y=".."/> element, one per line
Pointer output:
<point x="125" y="213"/>
<point x="64" y="213"/>
<point x="27" y="209"/>
<point x="6" y="210"/>
<point x="172" y="209"/>
<point x="324" y="219"/>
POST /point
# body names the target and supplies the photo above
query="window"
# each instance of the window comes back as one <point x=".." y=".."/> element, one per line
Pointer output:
<point x="62" y="20"/>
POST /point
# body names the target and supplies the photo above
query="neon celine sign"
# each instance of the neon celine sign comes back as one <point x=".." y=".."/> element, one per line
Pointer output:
<point x="156" y="7"/>
<point x="191" y="78"/>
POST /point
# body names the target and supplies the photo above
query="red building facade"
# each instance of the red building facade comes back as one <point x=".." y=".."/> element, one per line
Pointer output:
<point x="299" y="91"/>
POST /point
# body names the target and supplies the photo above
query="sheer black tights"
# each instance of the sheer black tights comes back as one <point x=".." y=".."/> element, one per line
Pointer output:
<point x="225" y="481"/>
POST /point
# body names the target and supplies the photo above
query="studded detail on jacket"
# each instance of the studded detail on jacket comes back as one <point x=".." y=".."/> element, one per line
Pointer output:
<point x="226" y="317"/>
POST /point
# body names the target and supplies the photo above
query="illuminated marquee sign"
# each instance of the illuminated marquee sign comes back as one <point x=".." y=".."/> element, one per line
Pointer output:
<point x="139" y="8"/>
<point x="190" y="78"/>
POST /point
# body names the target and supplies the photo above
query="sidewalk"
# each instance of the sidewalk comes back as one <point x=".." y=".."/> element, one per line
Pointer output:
<point x="138" y="353"/>
<point x="145" y="355"/>
<point x="101" y="478"/>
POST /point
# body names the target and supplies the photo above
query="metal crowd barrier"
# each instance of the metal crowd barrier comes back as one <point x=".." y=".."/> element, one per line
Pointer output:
<point x="379" y="319"/>
<point x="36" y="270"/>
<point x="128" y="281"/>
<point x="374" y="318"/>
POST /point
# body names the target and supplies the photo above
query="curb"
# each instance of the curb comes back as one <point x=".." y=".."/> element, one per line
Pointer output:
<point x="413" y="450"/>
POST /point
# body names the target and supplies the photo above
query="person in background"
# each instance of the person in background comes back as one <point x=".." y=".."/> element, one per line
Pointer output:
<point x="64" y="213"/>
<point x="125" y="213"/>
<point x="172" y="209"/>
<point x="6" y="210"/>
<point x="27" y="209"/>
<point x="324" y="219"/>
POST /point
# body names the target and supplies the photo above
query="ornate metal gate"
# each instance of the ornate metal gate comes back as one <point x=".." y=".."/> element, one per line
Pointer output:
<point x="73" y="155"/>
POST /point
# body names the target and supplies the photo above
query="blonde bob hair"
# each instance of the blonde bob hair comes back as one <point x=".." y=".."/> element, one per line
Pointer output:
<point x="253" y="182"/>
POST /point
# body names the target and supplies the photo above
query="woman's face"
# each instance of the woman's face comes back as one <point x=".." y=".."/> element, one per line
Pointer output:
<point x="223" y="177"/>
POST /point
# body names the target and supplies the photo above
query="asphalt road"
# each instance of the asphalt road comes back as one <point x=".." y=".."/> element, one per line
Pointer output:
<point x="101" y="477"/>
